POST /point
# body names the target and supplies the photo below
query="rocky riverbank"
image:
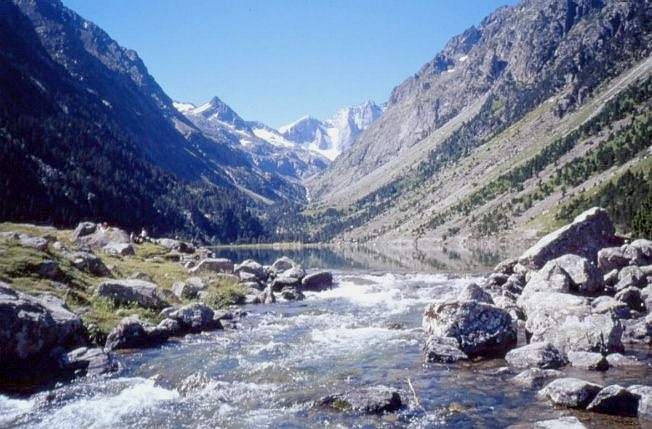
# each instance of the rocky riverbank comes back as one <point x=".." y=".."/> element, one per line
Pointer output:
<point x="70" y="299"/>
<point x="580" y="297"/>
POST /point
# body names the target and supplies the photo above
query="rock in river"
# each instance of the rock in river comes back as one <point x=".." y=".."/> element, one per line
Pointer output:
<point x="443" y="350"/>
<point x="481" y="329"/>
<point x="540" y="355"/>
<point x="317" y="281"/>
<point x="370" y="400"/>
<point x="570" y="392"/>
<point x="615" y="400"/>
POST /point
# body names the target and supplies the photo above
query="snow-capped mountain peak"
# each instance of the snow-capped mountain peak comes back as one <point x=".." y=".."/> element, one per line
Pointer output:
<point x="336" y="134"/>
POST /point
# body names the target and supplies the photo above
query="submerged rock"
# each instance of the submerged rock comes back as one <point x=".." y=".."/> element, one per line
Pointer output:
<point x="370" y="400"/>
<point x="570" y="392"/>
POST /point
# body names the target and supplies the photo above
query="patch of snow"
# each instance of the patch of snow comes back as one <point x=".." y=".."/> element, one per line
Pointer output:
<point x="272" y="137"/>
<point x="463" y="58"/>
<point x="183" y="107"/>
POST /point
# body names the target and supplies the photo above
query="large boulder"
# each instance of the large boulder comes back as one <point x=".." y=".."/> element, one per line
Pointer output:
<point x="480" y="329"/>
<point x="443" y="350"/>
<point x="585" y="236"/>
<point x="32" y="327"/>
<point x="370" y="400"/>
<point x="253" y="268"/>
<point x="101" y="237"/>
<point x="541" y="355"/>
<point x="615" y="400"/>
<point x="317" y="281"/>
<point x="214" y="265"/>
<point x="126" y="291"/>
<point x="132" y="333"/>
<point x="567" y="273"/>
<point x="568" y="323"/>
<point x="570" y="392"/>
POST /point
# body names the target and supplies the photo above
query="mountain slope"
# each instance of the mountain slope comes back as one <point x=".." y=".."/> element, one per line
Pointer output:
<point x="537" y="69"/>
<point x="335" y="135"/>
<point x="90" y="135"/>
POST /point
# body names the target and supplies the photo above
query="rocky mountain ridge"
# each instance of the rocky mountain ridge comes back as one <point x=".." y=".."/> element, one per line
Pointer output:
<point x="493" y="98"/>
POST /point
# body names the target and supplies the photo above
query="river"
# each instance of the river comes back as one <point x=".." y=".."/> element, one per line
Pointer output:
<point x="282" y="357"/>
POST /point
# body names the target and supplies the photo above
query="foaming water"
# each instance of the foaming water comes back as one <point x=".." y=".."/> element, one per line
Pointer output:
<point x="283" y="357"/>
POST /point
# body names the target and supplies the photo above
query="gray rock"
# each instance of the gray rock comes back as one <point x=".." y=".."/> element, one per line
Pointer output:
<point x="90" y="361"/>
<point x="631" y="296"/>
<point x="252" y="267"/>
<point x="90" y="263"/>
<point x="541" y="355"/>
<point x="101" y="237"/>
<point x="176" y="245"/>
<point x="570" y="392"/>
<point x="506" y="267"/>
<point x="265" y="297"/>
<point x="119" y="249"/>
<point x="132" y="333"/>
<point x="370" y="400"/>
<point x="566" y="321"/>
<point x="481" y="329"/>
<point x="608" y="305"/>
<point x="283" y="264"/>
<point x="638" y="331"/>
<point x="292" y="294"/>
<point x="612" y="258"/>
<point x="611" y="278"/>
<point x="196" y="317"/>
<point x="588" y="360"/>
<point x="216" y="265"/>
<point x="169" y="327"/>
<point x="145" y="294"/>
<point x="317" y="281"/>
<point x="534" y="378"/>
<point x="474" y="292"/>
<point x="585" y="278"/>
<point x="615" y="400"/>
<point x="585" y="236"/>
<point x="550" y="278"/>
<point x="617" y="360"/>
<point x="443" y="350"/>
<point x="83" y="229"/>
<point x="34" y="326"/>
<point x="188" y="289"/>
<point x="631" y="276"/>
<point x="32" y="242"/>
<point x="283" y="282"/>
<point x="645" y="247"/>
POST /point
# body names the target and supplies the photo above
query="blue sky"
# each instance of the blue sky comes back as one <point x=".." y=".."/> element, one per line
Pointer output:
<point x="277" y="60"/>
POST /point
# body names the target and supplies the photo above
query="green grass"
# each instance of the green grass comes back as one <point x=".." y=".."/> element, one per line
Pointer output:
<point x="19" y="266"/>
